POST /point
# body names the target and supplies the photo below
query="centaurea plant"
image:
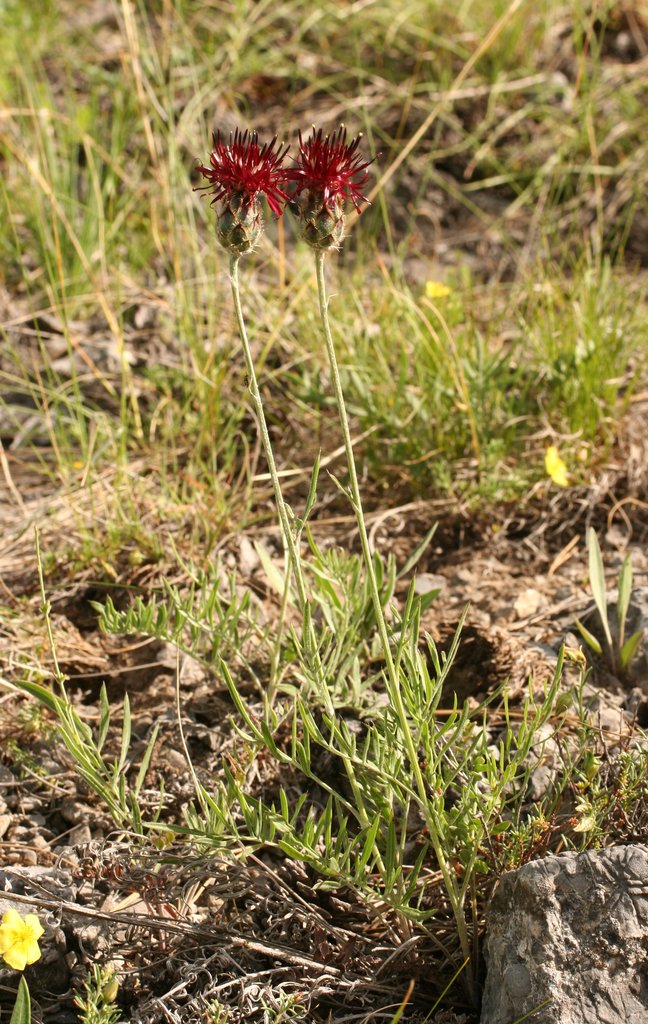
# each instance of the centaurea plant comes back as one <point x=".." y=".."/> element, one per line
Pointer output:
<point x="329" y="171"/>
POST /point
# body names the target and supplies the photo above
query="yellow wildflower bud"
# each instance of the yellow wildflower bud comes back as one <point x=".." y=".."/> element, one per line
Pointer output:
<point x="555" y="466"/>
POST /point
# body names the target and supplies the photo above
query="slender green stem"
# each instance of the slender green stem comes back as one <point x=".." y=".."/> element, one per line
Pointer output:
<point x="392" y="672"/>
<point x="276" y="653"/>
<point x="286" y="528"/>
<point x="353" y="476"/>
<point x="46" y="609"/>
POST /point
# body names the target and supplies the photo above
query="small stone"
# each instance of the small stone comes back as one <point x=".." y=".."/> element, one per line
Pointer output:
<point x="427" y="581"/>
<point x="540" y="782"/>
<point x="528" y="603"/>
<point x="7" y="778"/>
<point x="79" y="834"/>
<point x="248" y="558"/>
<point x="73" y="811"/>
<point x="29" y="802"/>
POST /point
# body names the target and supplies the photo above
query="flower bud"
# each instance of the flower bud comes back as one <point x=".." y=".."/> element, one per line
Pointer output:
<point x="239" y="223"/>
<point x="322" y="222"/>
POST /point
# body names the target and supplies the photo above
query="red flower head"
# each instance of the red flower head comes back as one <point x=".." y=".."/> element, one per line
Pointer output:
<point x="329" y="170"/>
<point x="331" y="165"/>
<point x="242" y="167"/>
<point x="240" y="171"/>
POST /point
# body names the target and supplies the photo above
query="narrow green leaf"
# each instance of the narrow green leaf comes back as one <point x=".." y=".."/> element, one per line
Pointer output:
<point x="135" y="814"/>
<point x="425" y="600"/>
<point x="414" y="873"/>
<point x="588" y="637"/>
<point x="597" y="581"/>
<point x="42" y="694"/>
<point x="390" y="856"/>
<point x="312" y="490"/>
<point x="126" y="734"/>
<point x="146" y="760"/>
<point x="499" y="827"/>
<point x="283" y="800"/>
<point x="369" y="845"/>
<point x="417" y="553"/>
<point x="625" y="590"/>
<point x="291" y="849"/>
<point x="104" y="716"/>
<point x="341" y="488"/>
<point x="629" y="648"/>
<point x="22" y="1007"/>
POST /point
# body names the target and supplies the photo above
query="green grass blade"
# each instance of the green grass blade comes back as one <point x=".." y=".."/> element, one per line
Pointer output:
<point x="312" y="490"/>
<point x="42" y="694"/>
<point x="369" y="845"/>
<point x="629" y="648"/>
<point x="22" y="1007"/>
<point x="597" y="581"/>
<point x="104" y="717"/>
<point x="418" y="552"/>
<point x="146" y="760"/>
<point x="588" y="637"/>
<point x="126" y="735"/>
<point x="625" y="591"/>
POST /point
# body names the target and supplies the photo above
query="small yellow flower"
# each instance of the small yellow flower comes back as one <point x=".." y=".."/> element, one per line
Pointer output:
<point x="19" y="939"/>
<point x="555" y="466"/>
<point x="436" y="290"/>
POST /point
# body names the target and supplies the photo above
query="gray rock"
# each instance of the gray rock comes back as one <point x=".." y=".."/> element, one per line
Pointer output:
<point x="424" y="582"/>
<point x="566" y="936"/>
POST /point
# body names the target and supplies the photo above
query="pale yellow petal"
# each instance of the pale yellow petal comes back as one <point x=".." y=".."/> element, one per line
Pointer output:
<point x="11" y="919"/>
<point x="30" y="950"/>
<point x="16" y="957"/>
<point x="34" y="927"/>
<point x="555" y="466"/>
<point x="10" y="929"/>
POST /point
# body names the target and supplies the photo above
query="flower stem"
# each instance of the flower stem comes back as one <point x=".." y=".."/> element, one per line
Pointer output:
<point x="286" y="528"/>
<point x="392" y="672"/>
<point x="354" y="487"/>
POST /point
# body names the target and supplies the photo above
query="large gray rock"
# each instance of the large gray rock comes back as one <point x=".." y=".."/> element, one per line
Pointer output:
<point x="567" y="936"/>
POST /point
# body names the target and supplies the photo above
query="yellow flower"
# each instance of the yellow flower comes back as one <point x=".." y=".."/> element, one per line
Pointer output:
<point x="19" y="939"/>
<point x="436" y="290"/>
<point x="555" y="466"/>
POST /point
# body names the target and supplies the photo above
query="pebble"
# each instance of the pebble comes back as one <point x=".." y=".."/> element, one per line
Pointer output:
<point x="78" y="835"/>
<point x="528" y="603"/>
<point x="427" y="581"/>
